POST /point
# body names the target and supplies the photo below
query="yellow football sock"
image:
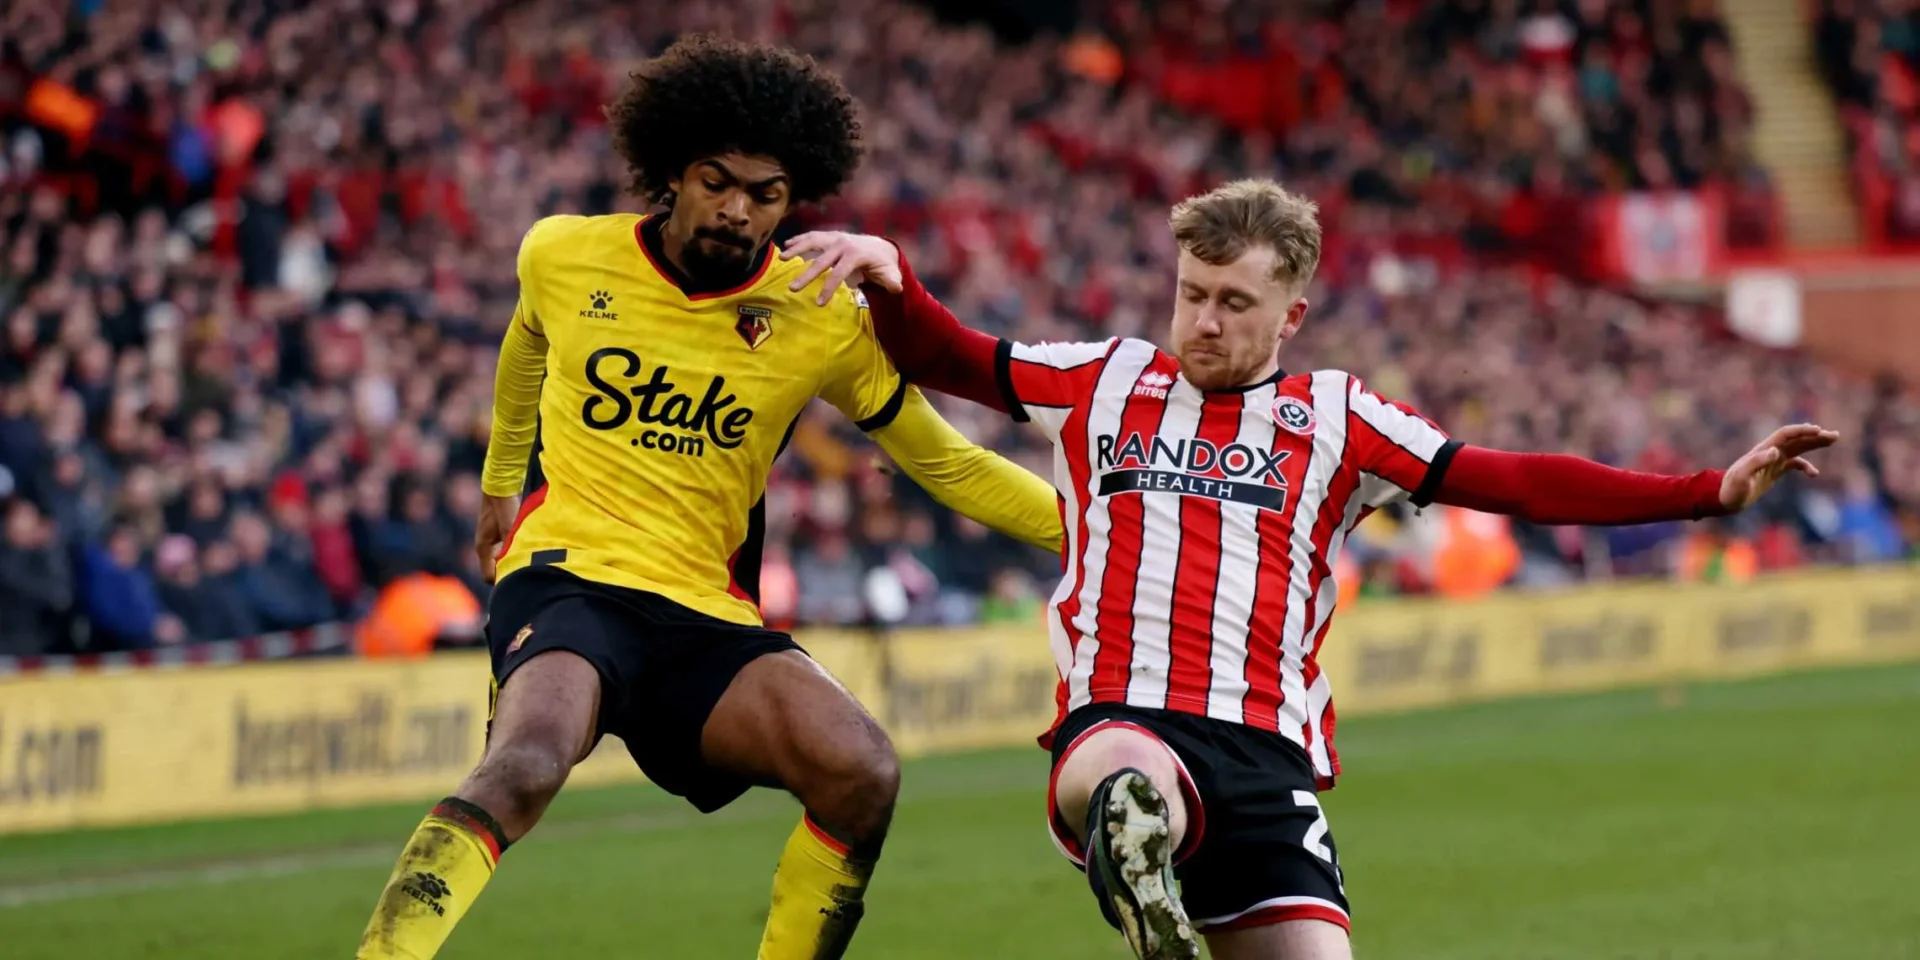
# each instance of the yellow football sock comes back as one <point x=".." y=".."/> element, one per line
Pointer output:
<point x="439" y="875"/>
<point x="817" y="893"/>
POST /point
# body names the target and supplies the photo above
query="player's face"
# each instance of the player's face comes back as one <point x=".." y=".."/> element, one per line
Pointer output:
<point x="1229" y="319"/>
<point x="725" y="209"/>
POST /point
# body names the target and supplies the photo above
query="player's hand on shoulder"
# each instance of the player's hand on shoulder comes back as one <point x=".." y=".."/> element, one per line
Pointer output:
<point x="1759" y="469"/>
<point x="848" y="259"/>
<point x="490" y="532"/>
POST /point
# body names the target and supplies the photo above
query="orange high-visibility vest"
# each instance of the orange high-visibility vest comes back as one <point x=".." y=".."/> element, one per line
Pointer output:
<point x="1476" y="553"/>
<point x="411" y="612"/>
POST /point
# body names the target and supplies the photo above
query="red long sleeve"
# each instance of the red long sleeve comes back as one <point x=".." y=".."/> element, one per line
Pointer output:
<point x="929" y="344"/>
<point x="932" y="349"/>
<point x="1556" y="489"/>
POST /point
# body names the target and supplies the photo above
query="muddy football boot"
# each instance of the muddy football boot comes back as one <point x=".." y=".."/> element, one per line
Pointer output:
<point x="1130" y="867"/>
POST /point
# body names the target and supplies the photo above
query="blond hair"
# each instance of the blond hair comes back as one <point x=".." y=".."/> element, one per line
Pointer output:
<point x="1221" y="225"/>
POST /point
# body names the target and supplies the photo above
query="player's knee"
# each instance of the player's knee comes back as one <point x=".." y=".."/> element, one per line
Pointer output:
<point x="1109" y="751"/>
<point x="521" y="777"/>
<point x="879" y="776"/>
<point x="1143" y="755"/>
<point x="855" y="794"/>
<point x="1105" y="753"/>
<point x="872" y="783"/>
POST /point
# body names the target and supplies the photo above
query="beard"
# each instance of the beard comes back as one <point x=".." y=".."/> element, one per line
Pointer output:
<point x="1214" y="367"/>
<point x="718" y="258"/>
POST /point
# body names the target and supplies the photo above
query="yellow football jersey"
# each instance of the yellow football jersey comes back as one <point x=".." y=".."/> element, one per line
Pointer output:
<point x="661" y="412"/>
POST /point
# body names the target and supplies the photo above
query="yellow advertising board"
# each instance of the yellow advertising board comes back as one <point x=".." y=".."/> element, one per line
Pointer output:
<point x="1396" y="655"/>
<point x="942" y="690"/>
<point x="158" y="745"/>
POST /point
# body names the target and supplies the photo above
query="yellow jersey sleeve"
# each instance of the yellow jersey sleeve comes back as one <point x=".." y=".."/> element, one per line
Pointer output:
<point x="523" y="270"/>
<point x="516" y="387"/>
<point x="861" y="381"/>
<point x="970" y="479"/>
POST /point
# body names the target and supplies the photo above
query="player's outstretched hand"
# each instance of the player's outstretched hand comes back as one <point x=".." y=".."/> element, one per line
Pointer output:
<point x="845" y="258"/>
<point x="1754" y="474"/>
<point x="490" y="532"/>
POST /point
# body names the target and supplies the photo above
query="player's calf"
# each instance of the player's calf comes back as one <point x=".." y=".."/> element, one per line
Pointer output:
<point x="542" y="725"/>
<point x="850" y="785"/>
<point x="786" y="721"/>
<point x="519" y="776"/>
<point x="819" y="888"/>
<point x="1105" y="750"/>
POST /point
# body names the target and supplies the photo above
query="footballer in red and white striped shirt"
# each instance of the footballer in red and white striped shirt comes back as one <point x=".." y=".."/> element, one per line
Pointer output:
<point x="1206" y="494"/>
<point x="1211" y="601"/>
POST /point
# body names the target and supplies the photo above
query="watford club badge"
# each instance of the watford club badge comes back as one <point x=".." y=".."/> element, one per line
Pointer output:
<point x="755" y="326"/>
<point x="520" y="640"/>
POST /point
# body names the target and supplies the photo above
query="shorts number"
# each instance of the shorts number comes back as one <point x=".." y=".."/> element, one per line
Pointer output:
<point x="1316" y="834"/>
<point x="1315" y="839"/>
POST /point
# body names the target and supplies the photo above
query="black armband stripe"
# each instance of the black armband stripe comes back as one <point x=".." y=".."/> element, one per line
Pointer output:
<point x="888" y="411"/>
<point x="1436" y="474"/>
<point x="1003" y="372"/>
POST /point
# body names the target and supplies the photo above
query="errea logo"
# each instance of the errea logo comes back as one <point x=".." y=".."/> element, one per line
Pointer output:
<point x="1152" y="385"/>
<point x="597" y="304"/>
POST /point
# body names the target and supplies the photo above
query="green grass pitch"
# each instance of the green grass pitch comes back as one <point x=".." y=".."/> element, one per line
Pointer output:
<point x="1770" y="819"/>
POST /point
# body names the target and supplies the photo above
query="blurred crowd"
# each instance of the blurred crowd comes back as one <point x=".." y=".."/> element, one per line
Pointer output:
<point x="1458" y="104"/>
<point x="1869" y="53"/>
<point x="255" y="258"/>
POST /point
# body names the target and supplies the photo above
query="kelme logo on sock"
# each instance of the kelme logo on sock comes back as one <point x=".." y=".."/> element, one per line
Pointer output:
<point x="428" y="889"/>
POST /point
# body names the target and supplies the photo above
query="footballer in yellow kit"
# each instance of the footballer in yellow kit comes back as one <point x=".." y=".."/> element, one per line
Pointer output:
<point x="663" y="411"/>
<point x="660" y="362"/>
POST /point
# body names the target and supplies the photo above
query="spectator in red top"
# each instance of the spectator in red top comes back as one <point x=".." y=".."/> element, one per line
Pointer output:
<point x="333" y="551"/>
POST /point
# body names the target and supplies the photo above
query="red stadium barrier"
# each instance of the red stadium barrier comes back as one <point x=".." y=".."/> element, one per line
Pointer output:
<point x="323" y="639"/>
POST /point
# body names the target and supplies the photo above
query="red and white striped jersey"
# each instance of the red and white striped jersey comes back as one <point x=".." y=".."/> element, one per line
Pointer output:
<point x="1202" y="528"/>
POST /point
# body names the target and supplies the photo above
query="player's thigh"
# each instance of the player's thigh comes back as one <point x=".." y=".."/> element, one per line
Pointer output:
<point x="1264" y="861"/>
<point x="1267" y="855"/>
<point x="553" y="698"/>
<point x="785" y="721"/>
<point x="1103" y="750"/>
<point x="1288" y="940"/>
<point x="551" y="642"/>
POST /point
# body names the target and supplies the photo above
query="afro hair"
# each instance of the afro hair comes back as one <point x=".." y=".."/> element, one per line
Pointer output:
<point x="707" y="96"/>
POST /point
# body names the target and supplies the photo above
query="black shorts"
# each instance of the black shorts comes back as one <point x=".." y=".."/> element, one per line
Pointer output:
<point x="1257" y="850"/>
<point x="662" y="667"/>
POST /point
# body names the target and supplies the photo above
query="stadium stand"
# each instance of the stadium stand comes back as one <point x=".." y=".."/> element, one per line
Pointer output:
<point x="254" y="258"/>
<point x="1868" y="53"/>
